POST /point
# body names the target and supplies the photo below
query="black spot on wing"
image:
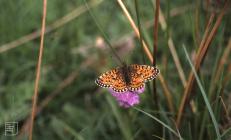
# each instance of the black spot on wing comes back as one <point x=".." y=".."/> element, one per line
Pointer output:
<point x="156" y="71"/>
<point x="136" y="88"/>
<point x="97" y="81"/>
<point x="120" y="90"/>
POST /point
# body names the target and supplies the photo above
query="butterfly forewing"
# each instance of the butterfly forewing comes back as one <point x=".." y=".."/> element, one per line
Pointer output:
<point x="112" y="79"/>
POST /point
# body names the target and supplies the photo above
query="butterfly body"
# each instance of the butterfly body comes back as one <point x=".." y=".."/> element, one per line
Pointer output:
<point x="127" y="78"/>
<point x="126" y="74"/>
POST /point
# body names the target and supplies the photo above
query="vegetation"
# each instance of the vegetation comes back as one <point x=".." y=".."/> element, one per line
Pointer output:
<point x="193" y="89"/>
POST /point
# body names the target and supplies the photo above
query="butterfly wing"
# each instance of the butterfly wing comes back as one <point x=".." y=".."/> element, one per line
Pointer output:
<point x="141" y="74"/>
<point x="147" y="72"/>
<point x="112" y="79"/>
<point x="136" y="82"/>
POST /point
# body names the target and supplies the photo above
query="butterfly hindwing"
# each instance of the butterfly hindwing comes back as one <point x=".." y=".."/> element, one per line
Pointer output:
<point x="136" y="80"/>
<point x="112" y="79"/>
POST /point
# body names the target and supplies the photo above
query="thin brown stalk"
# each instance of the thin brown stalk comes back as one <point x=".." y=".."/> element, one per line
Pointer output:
<point x="204" y="45"/>
<point x="223" y="61"/>
<point x="207" y="3"/>
<point x="48" y="99"/>
<point x="197" y="20"/>
<point x="174" y="12"/>
<point x="155" y="38"/>
<point x="181" y="73"/>
<point x="64" y="20"/>
<point x="58" y="23"/>
<point x="172" y="49"/>
<point x="65" y="83"/>
<point x="131" y="21"/>
<point x="224" y="106"/>
<point x="220" y="68"/>
<point x="148" y="53"/>
<point x="224" y="84"/>
<point x="36" y="86"/>
<point x="167" y="93"/>
<point x="155" y="32"/>
<point x="191" y="78"/>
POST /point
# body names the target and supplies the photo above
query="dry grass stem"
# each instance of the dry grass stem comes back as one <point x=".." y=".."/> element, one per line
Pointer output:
<point x="155" y="32"/>
<point x="172" y="49"/>
<point x="58" y="23"/>
<point x="197" y="25"/>
<point x="191" y="76"/>
<point x="61" y="22"/>
<point x="207" y="38"/>
<point x="223" y="61"/>
<point x="49" y="98"/>
<point x="65" y="83"/>
<point x="133" y="25"/>
<point x="177" y="61"/>
<point x="148" y="53"/>
<point x="220" y="68"/>
<point x="155" y="44"/>
<point x="224" y="106"/>
<point x="36" y="86"/>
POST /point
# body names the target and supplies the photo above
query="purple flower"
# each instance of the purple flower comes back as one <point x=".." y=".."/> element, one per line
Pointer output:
<point x="128" y="98"/>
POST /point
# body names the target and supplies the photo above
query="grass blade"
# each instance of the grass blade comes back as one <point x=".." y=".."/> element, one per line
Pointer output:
<point x="159" y="121"/>
<point x="69" y="129"/>
<point x="204" y="96"/>
<point x="103" y="33"/>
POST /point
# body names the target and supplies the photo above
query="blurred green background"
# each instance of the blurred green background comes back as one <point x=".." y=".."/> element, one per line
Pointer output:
<point x="71" y="106"/>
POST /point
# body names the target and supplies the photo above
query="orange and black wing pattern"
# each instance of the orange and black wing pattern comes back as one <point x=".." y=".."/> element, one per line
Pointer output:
<point x="136" y="80"/>
<point x="112" y="79"/>
<point x="138" y="75"/>
<point x="147" y="72"/>
<point x="141" y="74"/>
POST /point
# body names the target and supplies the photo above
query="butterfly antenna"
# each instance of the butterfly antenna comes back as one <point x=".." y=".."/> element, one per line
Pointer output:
<point x="125" y="63"/>
<point x="103" y="34"/>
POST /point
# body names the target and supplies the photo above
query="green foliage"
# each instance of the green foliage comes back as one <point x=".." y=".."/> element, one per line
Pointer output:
<point x="79" y="110"/>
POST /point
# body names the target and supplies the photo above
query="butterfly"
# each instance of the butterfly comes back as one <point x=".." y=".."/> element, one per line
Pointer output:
<point x="127" y="78"/>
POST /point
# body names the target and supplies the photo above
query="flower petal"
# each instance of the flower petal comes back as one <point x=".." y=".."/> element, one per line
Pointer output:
<point x="127" y="99"/>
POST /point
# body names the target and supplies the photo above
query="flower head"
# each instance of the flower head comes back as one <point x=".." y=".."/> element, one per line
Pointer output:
<point x="128" y="98"/>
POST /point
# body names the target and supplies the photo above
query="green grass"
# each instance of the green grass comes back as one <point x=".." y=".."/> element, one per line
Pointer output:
<point x="80" y="110"/>
<point x="215" y="124"/>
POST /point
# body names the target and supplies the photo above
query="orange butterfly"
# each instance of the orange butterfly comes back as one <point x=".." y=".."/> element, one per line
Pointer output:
<point x="127" y="78"/>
